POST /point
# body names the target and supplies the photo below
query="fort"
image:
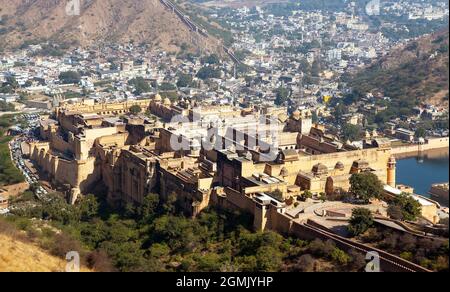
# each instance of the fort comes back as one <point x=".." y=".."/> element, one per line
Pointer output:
<point x="260" y="160"/>
<point x="197" y="151"/>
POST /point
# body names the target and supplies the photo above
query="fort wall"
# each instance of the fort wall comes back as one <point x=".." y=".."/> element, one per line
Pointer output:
<point x="78" y="174"/>
<point x="106" y="108"/>
<point x="376" y="157"/>
<point x="415" y="149"/>
<point x="59" y="144"/>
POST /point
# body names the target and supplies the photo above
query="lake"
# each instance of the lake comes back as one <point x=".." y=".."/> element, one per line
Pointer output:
<point x="424" y="170"/>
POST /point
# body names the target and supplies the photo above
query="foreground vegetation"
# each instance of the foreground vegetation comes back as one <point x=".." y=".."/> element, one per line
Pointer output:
<point x="155" y="237"/>
<point x="429" y="253"/>
<point x="9" y="174"/>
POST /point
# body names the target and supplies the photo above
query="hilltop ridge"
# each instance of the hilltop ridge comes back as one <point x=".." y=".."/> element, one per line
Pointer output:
<point x="414" y="72"/>
<point x="105" y="21"/>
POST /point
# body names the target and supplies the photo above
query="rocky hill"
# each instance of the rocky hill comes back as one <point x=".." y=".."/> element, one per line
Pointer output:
<point x="414" y="72"/>
<point x="96" y="21"/>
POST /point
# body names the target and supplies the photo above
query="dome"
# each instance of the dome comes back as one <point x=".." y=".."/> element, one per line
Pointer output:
<point x="282" y="117"/>
<point x="360" y="164"/>
<point x="320" y="169"/>
<point x="392" y="160"/>
<point x="158" y="97"/>
<point x="339" y="165"/>
<point x="284" y="172"/>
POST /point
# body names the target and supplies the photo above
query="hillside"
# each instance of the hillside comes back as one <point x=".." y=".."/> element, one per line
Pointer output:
<point x="99" y="21"/>
<point x="22" y="251"/>
<point x="412" y="73"/>
<point x="20" y="256"/>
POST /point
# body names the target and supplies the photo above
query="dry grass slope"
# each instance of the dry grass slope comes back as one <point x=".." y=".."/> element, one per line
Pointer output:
<point x="19" y="254"/>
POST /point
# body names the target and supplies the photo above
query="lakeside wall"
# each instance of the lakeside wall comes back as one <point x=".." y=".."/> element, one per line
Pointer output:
<point x="416" y="149"/>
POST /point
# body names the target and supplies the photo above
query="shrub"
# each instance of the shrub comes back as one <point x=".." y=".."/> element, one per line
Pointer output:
<point x="340" y="257"/>
<point x="319" y="248"/>
<point x="62" y="244"/>
<point x="305" y="263"/>
<point x="410" y="208"/>
<point x="357" y="260"/>
<point x="360" y="221"/>
<point x="99" y="261"/>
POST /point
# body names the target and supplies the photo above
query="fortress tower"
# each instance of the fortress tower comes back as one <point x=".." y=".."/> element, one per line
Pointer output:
<point x="391" y="167"/>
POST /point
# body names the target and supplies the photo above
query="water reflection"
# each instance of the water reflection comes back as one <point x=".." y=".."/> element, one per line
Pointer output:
<point x="422" y="170"/>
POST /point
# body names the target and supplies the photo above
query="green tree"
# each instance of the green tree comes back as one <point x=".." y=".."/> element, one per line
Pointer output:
<point x="351" y="132"/>
<point x="70" y="77"/>
<point x="365" y="186"/>
<point x="208" y="72"/>
<point x="409" y="207"/>
<point x="322" y="196"/>
<point x="11" y="81"/>
<point x="135" y="109"/>
<point x="165" y="86"/>
<point x="340" y="257"/>
<point x="269" y="259"/>
<point x="88" y="207"/>
<point x="339" y="111"/>
<point x="211" y="59"/>
<point x="306" y="195"/>
<point x="169" y="204"/>
<point x="209" y="262"/>
<point x="360" y="221"/>
<point x="56" y="208"/>
<point x="420" y="133"/>
<point x="140" y="85"/>
<point x="149" y="207"/>
<point x="282" y="95"/>
<point x="184" y="80"/>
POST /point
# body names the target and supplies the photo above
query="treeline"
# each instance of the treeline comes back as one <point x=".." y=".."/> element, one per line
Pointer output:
<point x="156" y="237"/>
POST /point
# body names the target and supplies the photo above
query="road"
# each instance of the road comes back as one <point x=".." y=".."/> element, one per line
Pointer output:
<point x="17" y="155"/>
<point x="30" y="111"/>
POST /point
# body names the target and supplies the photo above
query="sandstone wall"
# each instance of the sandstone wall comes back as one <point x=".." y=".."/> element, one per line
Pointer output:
<point x="78" y="174"/>
<point x="431" y="144"/>
<point x="377" y="159"/>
